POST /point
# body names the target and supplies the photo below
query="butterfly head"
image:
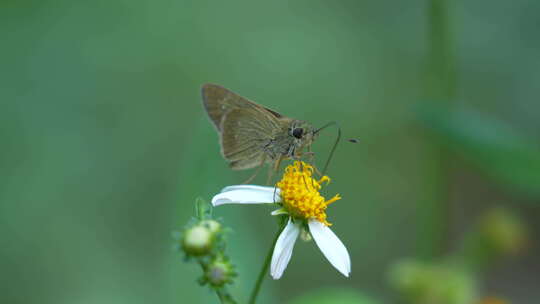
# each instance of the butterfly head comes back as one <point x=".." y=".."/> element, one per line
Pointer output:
<point x="302" y="133"/>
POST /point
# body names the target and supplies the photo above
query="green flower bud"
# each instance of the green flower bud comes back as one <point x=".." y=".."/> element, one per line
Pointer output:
<point x="305" y="235"/>
<point x="219" y="272"/>
<point x="213" y="226"/>
<point x="198" y="240"/>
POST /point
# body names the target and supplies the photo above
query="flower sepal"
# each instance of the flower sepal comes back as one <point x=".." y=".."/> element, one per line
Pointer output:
<point x="280" y="211"/>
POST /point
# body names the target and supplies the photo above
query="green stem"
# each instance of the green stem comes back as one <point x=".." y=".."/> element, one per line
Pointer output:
<point x="264" y="269"/>
<point x="441" y="79"/>
<point x="440" y="87"/>
<point x="224" y="297"/>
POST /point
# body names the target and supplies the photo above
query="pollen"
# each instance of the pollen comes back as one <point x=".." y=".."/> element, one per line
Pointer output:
<point x="300" y="193"/>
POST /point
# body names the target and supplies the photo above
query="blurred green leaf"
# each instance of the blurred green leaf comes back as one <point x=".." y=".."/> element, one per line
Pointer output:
<point x="334" y="296"/>
<point x="421" y="282"/>
<point x="503" y="154"/>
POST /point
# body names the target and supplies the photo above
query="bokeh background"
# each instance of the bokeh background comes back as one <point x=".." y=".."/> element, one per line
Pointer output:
<point x="105" y="145"/>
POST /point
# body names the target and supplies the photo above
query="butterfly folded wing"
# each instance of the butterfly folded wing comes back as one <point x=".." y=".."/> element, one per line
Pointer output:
<point x="244" y="138"/>
<point x="218" y="100"/>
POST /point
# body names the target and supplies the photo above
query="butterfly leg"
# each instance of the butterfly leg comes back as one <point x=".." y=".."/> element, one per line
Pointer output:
<point x="311" y="156"/>
<point x="256" y="171"/>
<point x="274" y="169"/>
<point x="298" y="157"/>
<point x="319" y="173"/>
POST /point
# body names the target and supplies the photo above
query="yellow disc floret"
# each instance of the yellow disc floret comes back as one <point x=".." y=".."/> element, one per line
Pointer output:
<point x="300" y="193"/>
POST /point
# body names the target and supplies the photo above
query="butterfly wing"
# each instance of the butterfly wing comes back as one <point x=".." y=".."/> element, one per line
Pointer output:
<point x="217" y="101"/>
<point x="246" y="137"/>
<point x="246" y="129"/>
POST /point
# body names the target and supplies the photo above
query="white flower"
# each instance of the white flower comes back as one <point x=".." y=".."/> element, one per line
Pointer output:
<point x="298" y="196"/>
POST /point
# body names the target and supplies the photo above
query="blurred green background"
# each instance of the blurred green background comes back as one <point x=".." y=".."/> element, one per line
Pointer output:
<point x="105" y="145"/>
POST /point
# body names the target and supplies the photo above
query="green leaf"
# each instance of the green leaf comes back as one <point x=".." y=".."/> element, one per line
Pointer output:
<point x="498" y="150"/>
<point x="334" y="296"/>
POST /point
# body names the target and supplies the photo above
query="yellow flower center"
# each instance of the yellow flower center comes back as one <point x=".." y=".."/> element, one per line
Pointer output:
<point x="300" y="193"/>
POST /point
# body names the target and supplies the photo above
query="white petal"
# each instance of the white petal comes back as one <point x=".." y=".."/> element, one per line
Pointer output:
<point x="283" y="249"/>
<point x="246" y="194"/>
<point x="332" y="248"/>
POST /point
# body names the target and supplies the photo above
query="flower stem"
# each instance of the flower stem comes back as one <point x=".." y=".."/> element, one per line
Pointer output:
<point x="264" y="269"/>
<point x="440" y="86"/>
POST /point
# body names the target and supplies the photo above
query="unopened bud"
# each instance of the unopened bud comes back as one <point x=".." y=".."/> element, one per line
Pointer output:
<point x="219" y="272"/>
<point x="198" y="240"/>
<point x="305" y="235"/>
<point x="213" y="226"/>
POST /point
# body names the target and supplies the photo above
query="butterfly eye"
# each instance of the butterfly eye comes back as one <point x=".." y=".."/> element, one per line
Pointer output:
<point x="298" y="132"/>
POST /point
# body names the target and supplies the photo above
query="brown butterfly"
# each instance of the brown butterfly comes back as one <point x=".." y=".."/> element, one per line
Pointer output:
<point x="250" y="134"/>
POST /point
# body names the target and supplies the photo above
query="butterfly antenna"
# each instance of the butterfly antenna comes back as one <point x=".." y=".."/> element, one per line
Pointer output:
<point x="338" y="138"/>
